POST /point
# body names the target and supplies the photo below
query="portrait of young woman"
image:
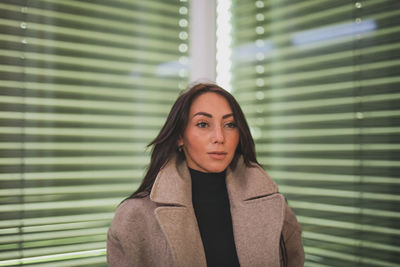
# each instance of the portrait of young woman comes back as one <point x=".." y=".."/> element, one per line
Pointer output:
<point x="205" y="200"/>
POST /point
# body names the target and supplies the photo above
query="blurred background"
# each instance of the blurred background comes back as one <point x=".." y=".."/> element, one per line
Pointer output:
<point x="86" y="85"/>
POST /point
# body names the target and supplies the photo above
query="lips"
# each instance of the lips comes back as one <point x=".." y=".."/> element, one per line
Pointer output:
<point x="217" y="154"/>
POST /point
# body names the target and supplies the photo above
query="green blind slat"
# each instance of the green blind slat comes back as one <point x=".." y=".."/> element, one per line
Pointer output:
<point x="103" y="132"/>
<point x="93" y="36"/>
<point x="120" y="12"/>
<point x="124" y="53"/>
<point x="141" y="92"/>
<point x="345" y="257"/>
<point x="320" y="88"/>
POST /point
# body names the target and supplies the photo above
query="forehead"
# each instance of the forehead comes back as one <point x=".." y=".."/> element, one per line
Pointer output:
<point x="211" y="103"/>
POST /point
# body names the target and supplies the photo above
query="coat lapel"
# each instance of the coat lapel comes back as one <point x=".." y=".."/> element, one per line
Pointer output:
<point x="257" y="215"/>
<point x="172" y="190"/>
<point x="180" y="228"/>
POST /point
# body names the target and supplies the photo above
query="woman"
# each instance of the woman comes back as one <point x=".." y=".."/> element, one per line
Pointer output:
<point x="205" y="200"/>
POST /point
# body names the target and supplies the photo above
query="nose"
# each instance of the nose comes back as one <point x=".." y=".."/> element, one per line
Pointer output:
<point x="218" y="135"/>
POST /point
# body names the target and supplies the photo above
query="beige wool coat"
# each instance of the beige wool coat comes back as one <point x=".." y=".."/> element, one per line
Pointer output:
<point x="162" y="230"/>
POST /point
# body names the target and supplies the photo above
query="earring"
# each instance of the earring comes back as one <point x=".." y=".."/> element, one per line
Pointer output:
<point x="180" y="148"/>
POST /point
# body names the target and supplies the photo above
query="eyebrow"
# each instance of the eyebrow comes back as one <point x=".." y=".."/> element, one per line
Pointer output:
<point x="210" y="116"/>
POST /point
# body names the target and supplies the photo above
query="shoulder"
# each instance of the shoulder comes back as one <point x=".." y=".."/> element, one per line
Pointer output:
<point x="292" y="239"/>
<point x="290" y="219"/>
<point x="257" y="178"/>
<point x="132" y="211"/>
<point x="133" y="205"/>
<point x="131" y="227"/>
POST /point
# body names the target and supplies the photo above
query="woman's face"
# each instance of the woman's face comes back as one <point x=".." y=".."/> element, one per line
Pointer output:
<point x="211" y="136"/>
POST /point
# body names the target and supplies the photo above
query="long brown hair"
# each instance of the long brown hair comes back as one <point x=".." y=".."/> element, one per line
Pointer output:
<point x="165" y="145"/>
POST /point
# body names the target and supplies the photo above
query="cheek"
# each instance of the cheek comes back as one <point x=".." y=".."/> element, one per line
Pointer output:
<point x="194" y="139"/>
<point x="234" y="140"/>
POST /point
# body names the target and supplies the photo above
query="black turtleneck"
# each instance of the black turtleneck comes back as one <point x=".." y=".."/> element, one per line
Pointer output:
<point x="212" y="209"/>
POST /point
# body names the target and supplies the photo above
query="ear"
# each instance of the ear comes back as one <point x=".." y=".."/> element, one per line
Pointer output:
<point x="180" y="141"/>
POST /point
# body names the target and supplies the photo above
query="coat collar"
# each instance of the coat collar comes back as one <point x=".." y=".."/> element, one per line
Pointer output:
<point x="173" y="184"/>
<point x="172" y="189"/>
<point x="256" y="224"/>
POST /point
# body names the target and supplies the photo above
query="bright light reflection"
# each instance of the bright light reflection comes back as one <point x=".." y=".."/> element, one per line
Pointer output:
<point x="224" y="42"/>
<point x="333" y="32"/>
<point x="253" y="51"/>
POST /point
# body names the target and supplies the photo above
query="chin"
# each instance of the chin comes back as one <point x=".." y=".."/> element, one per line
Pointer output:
<point x="219" y="168"/>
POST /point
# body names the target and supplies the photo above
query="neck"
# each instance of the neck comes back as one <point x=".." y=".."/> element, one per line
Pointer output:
<point x="207" y="186"/>
<point x="206" y="174"/>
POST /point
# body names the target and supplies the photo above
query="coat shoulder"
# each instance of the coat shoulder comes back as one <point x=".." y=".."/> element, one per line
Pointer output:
<point x="133" y="211"/>
<point x="134" y="237"/>
<point x="292" y="235"/>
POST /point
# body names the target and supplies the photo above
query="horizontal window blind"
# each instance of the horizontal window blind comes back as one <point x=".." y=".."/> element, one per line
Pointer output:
<point x="84" y="86"/>
<point x="319" y="83"/>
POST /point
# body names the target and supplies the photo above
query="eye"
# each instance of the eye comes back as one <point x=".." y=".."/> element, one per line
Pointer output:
<point x="230" y="125"/>
<point x="202" y="124"/>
